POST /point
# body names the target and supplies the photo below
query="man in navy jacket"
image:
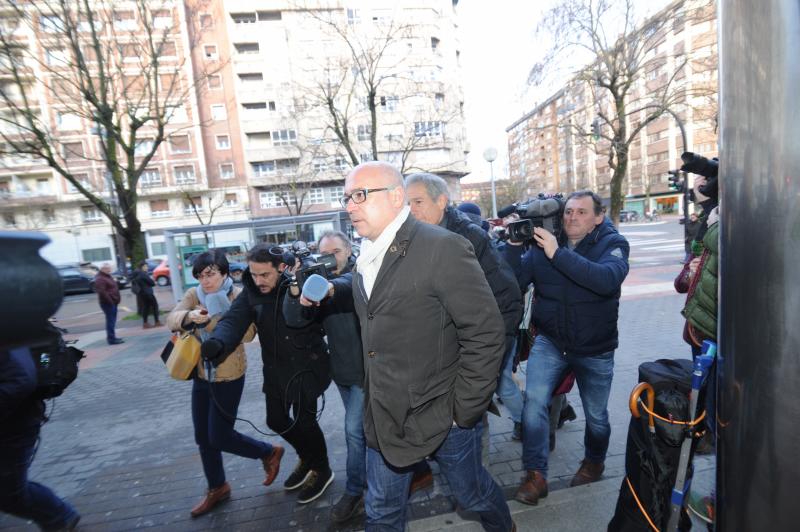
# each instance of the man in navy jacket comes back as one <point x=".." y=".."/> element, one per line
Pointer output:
<point x="577" y="282"/>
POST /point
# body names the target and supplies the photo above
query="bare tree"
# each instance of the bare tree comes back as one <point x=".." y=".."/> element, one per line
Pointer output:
<point x="628" y="81"/>
<point x="507" y="191"/>
<point x="363" y="85"/>
<point x="116" y="69"/>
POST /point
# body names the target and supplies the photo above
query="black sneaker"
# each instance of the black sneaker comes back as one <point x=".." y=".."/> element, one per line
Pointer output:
<point x="315" y="485"/>
<point x="298" y="476"/>
<point x="516" y="434"/>
<point x="347" y="507"/>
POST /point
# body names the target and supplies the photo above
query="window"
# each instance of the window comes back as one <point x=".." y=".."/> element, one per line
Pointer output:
<point x="438" y="100"/>
<point x="91" y="214"/>
<point x="316" y="196"/>
<point x="434" y="44"/>
<point x="68" y="121"/>
<point x="143" y="147"/>
<point x="162" y="19"/>
<point x="210" y="52"/>
<point x="159" y="208"/>
<point x="389" y="103"/>
<point x="96" y="254"/>
<point x="269" y="200"/>
<point x="340" y="163"/>
<point x="206" y="22"/>
<point x="49" y="216"/>
<point x="428" y="129"/>
<point x="244" y="18"/>
<point x="661" y="156"/>
<point x="268" y="16"/>
<point x="9" y="219"/>
<point x="193" y="205"/>
<point x="51" y="24"/>
<point x="177" y="115"/>
<point x="336" y="193"/>
<point x="320" y="165"/>
<point x="353" y="16"/>
<point x="247" y="48"/>
<point x="73" y="150"/>
<point x="258" y="140"/>
<point x="283" y="137"/>
<point x="184" y="175"/>
<point x="83" y="179"/>
<point x="124" y="20"/>
<point x="158" y="248"/>
<point x="263" y="168"/>
<point x="214" y="82"/>
<point x="287" y="166"/>
<point x="179" y="144"/>
<point x="364" y="132"/>
<point x="43" y="187"/>
<point x="226" y="171"/>
<point x="365" y="157"/>
<point x="253" y="77"/>
<point x="223" y="142"/>
<point x="218" y="112"/>
<point x="254" y="106"/>
<point x="56" y="57"/>
<point x="231" y="200"/>
<point x="5" y="189"/>
<point x="151" y="177"/>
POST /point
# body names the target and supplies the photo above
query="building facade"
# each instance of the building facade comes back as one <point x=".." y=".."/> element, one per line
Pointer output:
<point x="254" y="135"/>
<point x="550" y="149"/>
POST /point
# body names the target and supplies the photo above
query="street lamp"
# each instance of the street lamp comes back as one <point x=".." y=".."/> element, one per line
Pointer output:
<point x="490" y="154"/>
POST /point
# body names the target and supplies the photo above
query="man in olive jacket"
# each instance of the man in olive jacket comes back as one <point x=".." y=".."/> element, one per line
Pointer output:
<point x="433" y="342"/>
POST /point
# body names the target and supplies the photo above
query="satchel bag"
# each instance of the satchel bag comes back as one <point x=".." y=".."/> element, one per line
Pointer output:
<point x="181" y="355"/>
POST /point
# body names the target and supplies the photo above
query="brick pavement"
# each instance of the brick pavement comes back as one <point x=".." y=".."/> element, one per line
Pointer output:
<point x="120" y="444"/>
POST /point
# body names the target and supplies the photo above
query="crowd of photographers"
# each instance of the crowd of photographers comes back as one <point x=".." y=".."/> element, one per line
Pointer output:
<point x="437" y="308"/>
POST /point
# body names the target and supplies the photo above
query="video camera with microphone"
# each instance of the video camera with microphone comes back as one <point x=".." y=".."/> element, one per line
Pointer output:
<point x="708" y="168"/>
<point x="546" y="211"/>
<point x="308" y="264"/>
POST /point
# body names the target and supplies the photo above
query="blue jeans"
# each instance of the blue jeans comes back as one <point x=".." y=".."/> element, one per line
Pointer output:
<point x="24" y="498"/>
<point x="507" y="389"/>
<point x="353" y="400"/>
<point x="546" y="368"/>
<point x="459" y="459"/>
<point x="213" y="429"/>
<point x="111" y="320"/>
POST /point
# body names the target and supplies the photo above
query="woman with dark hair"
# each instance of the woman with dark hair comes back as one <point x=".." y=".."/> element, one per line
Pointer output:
<point x="142" y="285"/>
<point x="215" y="402"/>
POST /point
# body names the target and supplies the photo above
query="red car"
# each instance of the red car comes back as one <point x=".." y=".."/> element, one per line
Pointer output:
<point x="161" y="273"/>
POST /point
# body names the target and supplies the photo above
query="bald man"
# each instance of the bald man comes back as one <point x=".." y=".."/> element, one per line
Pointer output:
<point x="433" y="342"/>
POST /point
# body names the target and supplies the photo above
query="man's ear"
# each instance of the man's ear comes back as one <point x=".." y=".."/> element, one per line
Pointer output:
<point x="441" y="202"/>
<point x="281" y="267"/>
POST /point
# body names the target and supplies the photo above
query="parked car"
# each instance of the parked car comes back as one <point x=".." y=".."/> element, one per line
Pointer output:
<point x="628" y="216"/>
<point x="79" y="277"/>
<point x="75" y="280"/>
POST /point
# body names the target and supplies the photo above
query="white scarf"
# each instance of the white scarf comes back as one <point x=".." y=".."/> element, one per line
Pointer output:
<point x="371" y="257"/>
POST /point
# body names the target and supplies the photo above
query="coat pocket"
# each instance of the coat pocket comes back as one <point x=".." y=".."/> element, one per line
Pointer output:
<point x="430" y="409"/>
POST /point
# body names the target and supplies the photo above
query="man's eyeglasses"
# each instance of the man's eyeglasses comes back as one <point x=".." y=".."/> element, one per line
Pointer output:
<point x="359" y="195"/>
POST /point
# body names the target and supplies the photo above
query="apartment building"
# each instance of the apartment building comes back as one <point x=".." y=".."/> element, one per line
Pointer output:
<point x="548" y="154"/>
<point x="253" y="137"/>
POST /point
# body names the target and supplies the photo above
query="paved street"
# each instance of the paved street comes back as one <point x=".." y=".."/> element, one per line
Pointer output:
<point x="120" y="444"/>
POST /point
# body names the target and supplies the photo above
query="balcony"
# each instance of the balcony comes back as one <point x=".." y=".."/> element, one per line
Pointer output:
<point x="26" y="199"/>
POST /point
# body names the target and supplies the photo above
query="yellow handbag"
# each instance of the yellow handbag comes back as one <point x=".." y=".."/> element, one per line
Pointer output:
<point x="181" y="355"/>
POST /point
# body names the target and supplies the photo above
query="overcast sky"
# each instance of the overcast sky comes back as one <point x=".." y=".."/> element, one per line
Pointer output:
<point x="498" y="50"/>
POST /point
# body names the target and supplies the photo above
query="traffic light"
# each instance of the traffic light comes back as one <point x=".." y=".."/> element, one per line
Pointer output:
<point x="596" y="129"/>
<point x="676" y="183"/>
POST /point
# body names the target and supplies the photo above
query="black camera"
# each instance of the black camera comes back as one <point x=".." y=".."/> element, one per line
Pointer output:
<point x="708" y="168"/>
<point x="308" y="264"/>
<point x="546" y="211"/>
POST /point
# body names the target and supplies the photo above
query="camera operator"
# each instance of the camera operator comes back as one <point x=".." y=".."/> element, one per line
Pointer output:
<point x="577" y="284"/>
<point x="21" y="417"/>
<point x="296" y="365"/>
<point x="347" y="364"/>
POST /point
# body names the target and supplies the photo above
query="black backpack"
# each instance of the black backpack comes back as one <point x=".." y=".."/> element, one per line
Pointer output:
<point x="56" y="364"/>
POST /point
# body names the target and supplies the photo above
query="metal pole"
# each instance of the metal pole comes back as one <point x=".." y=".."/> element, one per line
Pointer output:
<point x="494" y="193"/>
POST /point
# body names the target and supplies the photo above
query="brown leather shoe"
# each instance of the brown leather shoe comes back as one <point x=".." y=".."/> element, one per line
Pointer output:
<point x="532" y="488"/>
<point x="587" y="473"/>
<point x="147" y="326"/>
<point x="212" y="499"/>
<point x="421" y="481"/>
<point x="272" y="464"/>
<point x="158" y="324"/>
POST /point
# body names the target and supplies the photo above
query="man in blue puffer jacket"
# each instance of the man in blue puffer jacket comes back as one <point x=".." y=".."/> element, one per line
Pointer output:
<point x="577" y="281"/>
